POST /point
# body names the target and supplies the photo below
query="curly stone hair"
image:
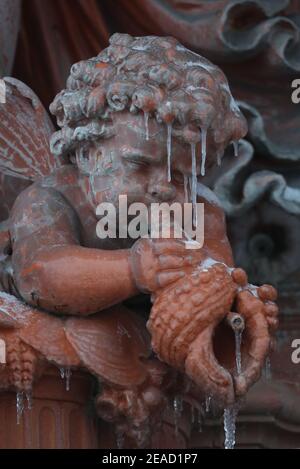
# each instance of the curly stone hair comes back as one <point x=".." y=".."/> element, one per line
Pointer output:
<point x="153" y="75"/>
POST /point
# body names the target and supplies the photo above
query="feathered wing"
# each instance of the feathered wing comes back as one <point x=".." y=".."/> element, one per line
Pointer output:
<point x="25" y="129"/>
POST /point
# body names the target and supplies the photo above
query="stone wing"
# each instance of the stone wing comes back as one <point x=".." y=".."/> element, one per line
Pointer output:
<point x="25" y="129"/>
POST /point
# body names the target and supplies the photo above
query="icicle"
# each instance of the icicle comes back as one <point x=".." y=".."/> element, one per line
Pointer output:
<point x="207" y="403"/>
<point x="68" y="374"/>
<point x="19" y="406"/>
<point x="187" y="385"/>
<point x="230" y="415"/>
<point x="94" y="164"/>
<point x="203" y="150"/>
<point x="146" y="120"/>
<point x="177" y="406"/>
<point x="186" y="189"/>
<point x="180" y="404"/>
<point x="238" y="357"/>
<point x="28" y="395"/>
<point x="62" y="373"/>
<point x="82" y="162"/>
<point x="169" y="149"/>
<point x="219" y="159"/>
<point x="268" y="371"/>
<point x="120" y="439"/>
<point x="194" y="183"/>
<point x="78" y="159"/>
<point x="192" y="415"/>
<point x="199" y="421"/>
<point x="92" y="186"/>
<point x="235" y="144"/>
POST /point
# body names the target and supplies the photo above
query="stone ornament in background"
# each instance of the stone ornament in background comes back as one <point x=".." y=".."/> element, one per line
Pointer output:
<point x="146" y="118"/>
<point x="10" y="15"/>
<point x="255" y="42"/>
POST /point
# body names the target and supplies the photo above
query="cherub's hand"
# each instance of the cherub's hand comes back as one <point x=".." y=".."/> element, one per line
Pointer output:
<point x="256" y="305"/>
<point x="160" y="262"/>
<point x="188" y="329"/>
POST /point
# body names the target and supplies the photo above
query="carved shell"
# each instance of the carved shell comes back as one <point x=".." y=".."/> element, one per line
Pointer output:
<point x="182" y="322"/>
<point x="111" y="345"/>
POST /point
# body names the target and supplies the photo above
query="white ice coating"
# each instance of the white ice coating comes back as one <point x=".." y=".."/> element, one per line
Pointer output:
<point x="238" y="356"/>
<point x="207" y="67"/>
<point x="16" y="306"/>
<point x="140" y="48"/>
<point x="186" y="188"/>
<point x="194" y="183"/>
<point x="209" y="262"/>
<point x="203" y="150"/>
<point x="169" y="149"/>
<point x="146" y="120"/>
<point x="230" y="415"/>
<point x="252" y="289"/>
<point x="233" y="105"/>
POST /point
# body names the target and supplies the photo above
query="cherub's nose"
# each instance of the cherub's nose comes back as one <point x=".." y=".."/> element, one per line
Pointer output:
<point x="162" y="190"/>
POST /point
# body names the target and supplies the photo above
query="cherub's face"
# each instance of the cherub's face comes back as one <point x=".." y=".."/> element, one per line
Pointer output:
<point x="135" y="166"/>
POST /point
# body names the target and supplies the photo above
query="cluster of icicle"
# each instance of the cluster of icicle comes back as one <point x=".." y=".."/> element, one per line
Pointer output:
<point x="159" y="78"/>
<point x="65" y="373"/>
<point x="172" y="333"/>
<point x="230" y="413"/>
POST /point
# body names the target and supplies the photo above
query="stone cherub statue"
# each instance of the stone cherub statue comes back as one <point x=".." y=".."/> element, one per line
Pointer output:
<point x="144" y="118"/>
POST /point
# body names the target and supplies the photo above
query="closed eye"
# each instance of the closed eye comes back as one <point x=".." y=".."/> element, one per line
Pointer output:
<point x="137" y="163"/>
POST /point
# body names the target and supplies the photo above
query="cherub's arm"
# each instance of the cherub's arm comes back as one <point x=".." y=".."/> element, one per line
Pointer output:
<point x="51" y="269"/>
<point x="54" y="272"/>
<point x="216" y="244"/>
